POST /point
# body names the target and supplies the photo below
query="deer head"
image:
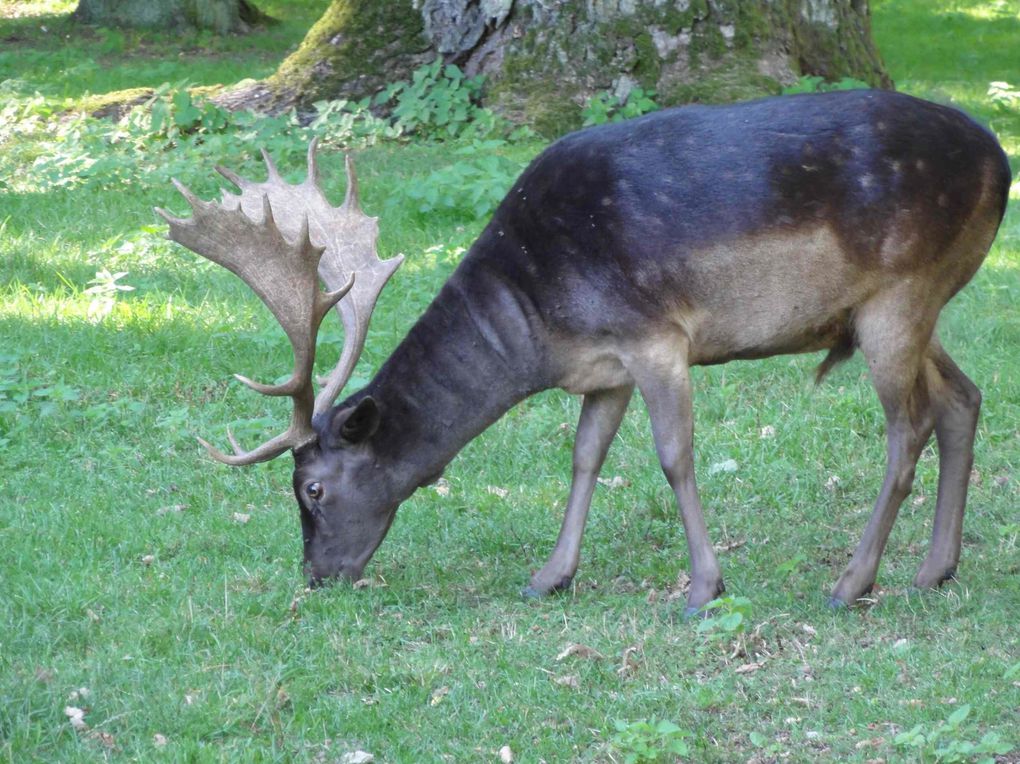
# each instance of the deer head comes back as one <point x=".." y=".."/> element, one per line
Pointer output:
<point x="281" y="240"/>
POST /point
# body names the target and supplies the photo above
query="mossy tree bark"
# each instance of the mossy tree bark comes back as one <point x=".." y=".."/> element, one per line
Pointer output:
<point x="543" y="59"/>
<point x="222" y="16"/>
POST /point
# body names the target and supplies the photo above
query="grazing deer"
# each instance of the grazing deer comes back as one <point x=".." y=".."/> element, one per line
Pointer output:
<point x="622" y="256"/>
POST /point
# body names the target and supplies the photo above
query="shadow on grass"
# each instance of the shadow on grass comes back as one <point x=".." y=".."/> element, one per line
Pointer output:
<point x="43" y="30"/>
<point x="97" y="60"/>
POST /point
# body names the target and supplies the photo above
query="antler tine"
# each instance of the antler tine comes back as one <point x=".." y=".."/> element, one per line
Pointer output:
<point x="313" y="163"/>
<point x="351" y="202"/>
<point x="332" y="298"/>
<point x="196" y="204"/>
<point x="263" y="453"/>
<point x="267" y="214"/>
<point x="274" y="174"/>
<point x="232" y="176"/>
<point x="171" y="219"/>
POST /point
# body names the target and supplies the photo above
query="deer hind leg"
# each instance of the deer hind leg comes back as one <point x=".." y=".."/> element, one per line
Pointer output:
<point x="894" y="342"/>
<point x="667" y="394"/>
<point x="601" y="414"/>
<point x="957" y="402"/>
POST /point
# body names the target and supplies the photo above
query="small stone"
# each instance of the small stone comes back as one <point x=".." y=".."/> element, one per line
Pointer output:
<point x="76" y="716"/>
<point x="727" y="465"/>
<point x="357" y="757"/>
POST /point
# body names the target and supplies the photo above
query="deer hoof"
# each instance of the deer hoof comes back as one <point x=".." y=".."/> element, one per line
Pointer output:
<point x="840" y="599"/>
<point x="531" y="592"/>
<point x="838" y="603"/>
<point x="926" y="582"/>
<point x="535" y="591"/>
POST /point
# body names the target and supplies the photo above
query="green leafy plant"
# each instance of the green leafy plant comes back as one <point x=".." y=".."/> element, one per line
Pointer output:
<point x="789" y="567"/>
<point x="173" y="112"/>
<point x="347" y="123"/>
<point x="175" y="131"/>
<point x="726" y="617"/>
<point x="438" y="102"/>
<point x="942" y="743"/>
<point x="104" y="290"/>
<point x="606" y="107"/>
<point x="18" y="390"/>
<point x="651" y="740"/>
<point x="472" y="185"/>
<point x="810" y="83"/>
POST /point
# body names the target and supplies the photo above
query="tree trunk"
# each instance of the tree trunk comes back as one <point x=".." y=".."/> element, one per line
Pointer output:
<point x="544" y="58"/>
<point x="222" y="16"/>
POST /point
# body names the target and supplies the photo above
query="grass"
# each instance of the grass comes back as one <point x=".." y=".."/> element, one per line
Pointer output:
<point x="128" y="568"/>
<point x="45" y="51"/>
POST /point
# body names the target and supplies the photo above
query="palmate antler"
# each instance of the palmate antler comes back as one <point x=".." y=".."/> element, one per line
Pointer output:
<point x="280" y="239"/>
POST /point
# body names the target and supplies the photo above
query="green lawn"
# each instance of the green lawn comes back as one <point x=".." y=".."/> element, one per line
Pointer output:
<point x="161" y="593"/>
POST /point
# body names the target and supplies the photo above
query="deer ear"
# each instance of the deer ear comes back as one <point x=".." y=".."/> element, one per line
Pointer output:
<point x="355" y="425"/>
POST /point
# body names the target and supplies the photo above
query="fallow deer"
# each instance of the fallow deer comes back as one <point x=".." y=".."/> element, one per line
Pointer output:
<point x="624" y="255"/>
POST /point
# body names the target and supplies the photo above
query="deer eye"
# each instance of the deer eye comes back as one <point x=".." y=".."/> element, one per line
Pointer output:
<point x="314" y="491"/>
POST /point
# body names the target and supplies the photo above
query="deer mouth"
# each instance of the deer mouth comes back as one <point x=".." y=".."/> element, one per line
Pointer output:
<point x="318" y="579"/>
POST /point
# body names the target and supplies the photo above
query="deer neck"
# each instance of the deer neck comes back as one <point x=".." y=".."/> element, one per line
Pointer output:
<point x="475" y="353"/>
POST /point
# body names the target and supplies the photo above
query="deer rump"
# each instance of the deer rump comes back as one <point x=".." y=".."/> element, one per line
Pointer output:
<point x="627" y="253"/>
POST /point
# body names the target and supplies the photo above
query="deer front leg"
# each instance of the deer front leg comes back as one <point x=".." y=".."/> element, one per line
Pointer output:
<point x="667" y="394"/>
<point x="601" y="414"/>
